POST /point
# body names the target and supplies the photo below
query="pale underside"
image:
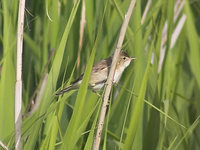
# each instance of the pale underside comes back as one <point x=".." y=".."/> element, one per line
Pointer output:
<point x="99" y="75"/>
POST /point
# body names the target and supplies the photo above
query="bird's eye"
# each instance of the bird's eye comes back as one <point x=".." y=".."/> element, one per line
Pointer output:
<point x="124" y="58"/>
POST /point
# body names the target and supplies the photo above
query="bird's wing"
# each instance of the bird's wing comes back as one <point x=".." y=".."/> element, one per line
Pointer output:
<point x="77" y="80"/>
<point x="100" y="71"/>
<point x="102" y="64"/>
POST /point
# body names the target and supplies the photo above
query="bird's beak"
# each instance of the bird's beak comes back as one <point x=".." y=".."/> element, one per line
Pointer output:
<point x="132" y="58"/>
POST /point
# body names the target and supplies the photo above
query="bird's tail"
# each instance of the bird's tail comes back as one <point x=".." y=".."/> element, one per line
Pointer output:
<point x="69" y="88"/>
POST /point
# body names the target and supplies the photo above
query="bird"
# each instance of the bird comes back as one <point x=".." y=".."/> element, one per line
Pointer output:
<point x="99" y="73"/>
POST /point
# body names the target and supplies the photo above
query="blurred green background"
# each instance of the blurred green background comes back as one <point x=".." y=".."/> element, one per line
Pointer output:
<point x="156" y="104"/>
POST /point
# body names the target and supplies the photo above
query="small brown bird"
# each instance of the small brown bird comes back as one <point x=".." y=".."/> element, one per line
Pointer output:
<point x="100" y="73"/>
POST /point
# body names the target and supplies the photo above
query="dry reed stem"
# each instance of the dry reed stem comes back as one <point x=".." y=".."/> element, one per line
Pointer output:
<point x="177" y="30"/>
<point x="31" y="104"/>
<point x="82" y="26"/>
<point x="3" y="146"/>
<point x="111" y="75"/>
<point x="39" y="96"/>
<point x="145" y="11"/>
<point x="18" y="85"/>
<point x="177" y="9"/>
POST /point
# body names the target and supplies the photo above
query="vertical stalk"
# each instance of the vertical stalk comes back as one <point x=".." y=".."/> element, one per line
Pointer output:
<point x="111" y="75"/>
<point x="18" y="85"/>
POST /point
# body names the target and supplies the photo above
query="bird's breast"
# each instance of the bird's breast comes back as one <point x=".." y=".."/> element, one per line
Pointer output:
<point x="98" y="86"/>
<point x="117" y="75"/>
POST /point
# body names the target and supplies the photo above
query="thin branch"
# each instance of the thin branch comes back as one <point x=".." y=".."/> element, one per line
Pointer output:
<point x="177" y="9"/>
<point x="18" y="85"/>
<point x="177" y="30"/>
<point x="111" y="75"/>
<point x="145" y="11"/>
<point x="44" y="72"/>
<point x="39" y="96"/>
<point x="3" y="146"/>
<point x="82" y="26"/>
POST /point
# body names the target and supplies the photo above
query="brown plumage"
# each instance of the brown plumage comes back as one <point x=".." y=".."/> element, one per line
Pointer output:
<point x="100" y="73"/>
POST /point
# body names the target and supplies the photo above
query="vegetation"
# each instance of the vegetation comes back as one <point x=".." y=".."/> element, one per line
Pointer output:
<point x="154" y="106"/>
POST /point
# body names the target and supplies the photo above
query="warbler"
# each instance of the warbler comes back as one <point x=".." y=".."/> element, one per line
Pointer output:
<point x="99" y="73"/>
